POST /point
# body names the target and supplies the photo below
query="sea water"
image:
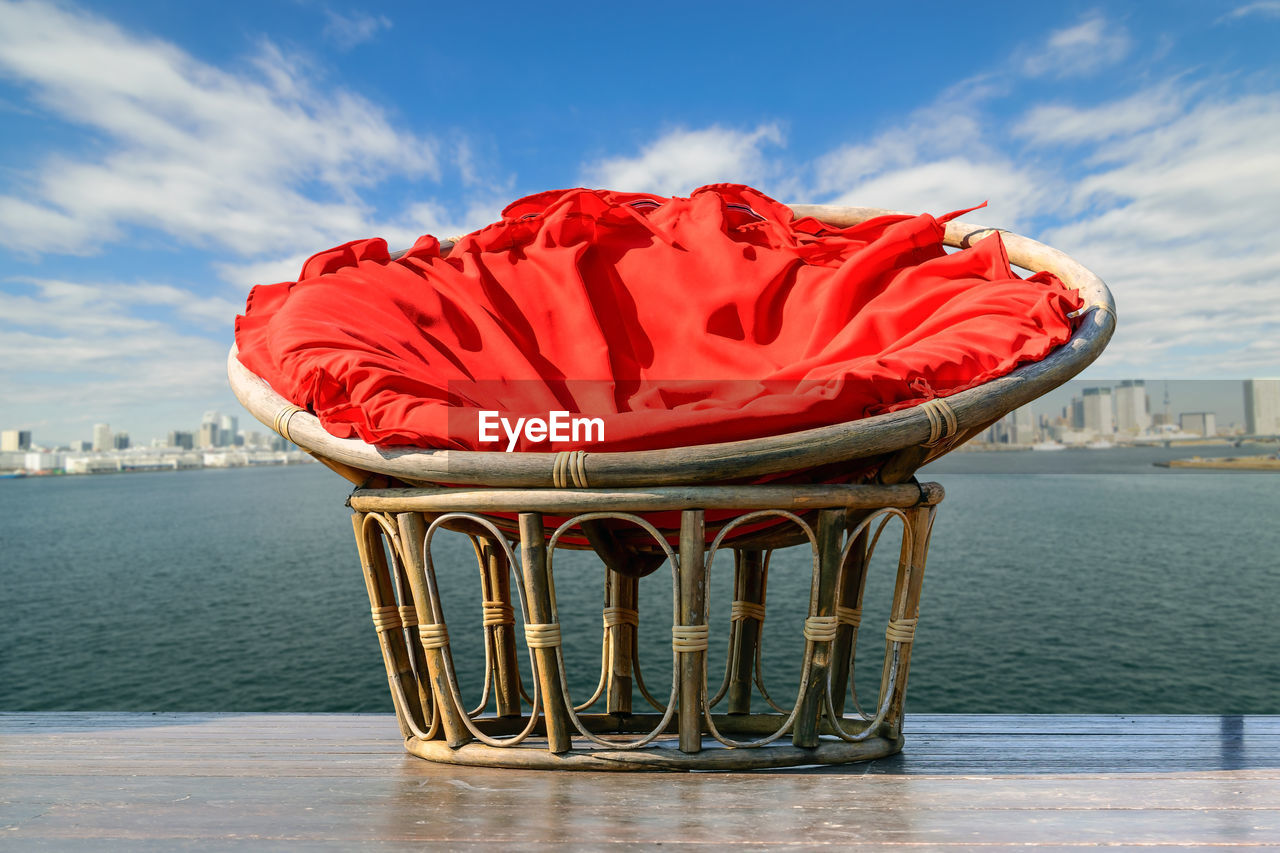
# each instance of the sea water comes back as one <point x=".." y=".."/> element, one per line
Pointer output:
<point x="1083" y="582"/>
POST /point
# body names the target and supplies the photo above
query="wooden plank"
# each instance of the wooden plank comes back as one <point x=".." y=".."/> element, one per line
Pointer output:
<point x="462" y="816"/>
<point x="262" y="781"/>
<point x="927" y="791"/>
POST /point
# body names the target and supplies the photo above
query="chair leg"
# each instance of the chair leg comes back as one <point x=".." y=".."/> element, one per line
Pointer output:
<point x="853" y="583"/>
<point x="813" y="702"/>
<point x="745" y="626"/>
<point x="435" y="639"/>
<point x="506" y="671"/>
<point x="906" y="610"/>
<point x="541" y="632"/>
<point x="396" y="654"/>
<point x="690" y="637"/>
<point x="620" y="623"/>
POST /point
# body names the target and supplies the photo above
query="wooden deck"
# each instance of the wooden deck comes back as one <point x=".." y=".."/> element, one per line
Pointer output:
<point x="92" y="781"/>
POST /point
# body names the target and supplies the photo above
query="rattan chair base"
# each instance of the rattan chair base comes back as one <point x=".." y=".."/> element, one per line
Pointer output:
<point x="665" y="756"/>
<point x="537" y="723"/>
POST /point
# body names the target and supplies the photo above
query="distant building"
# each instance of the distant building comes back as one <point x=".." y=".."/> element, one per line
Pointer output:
<point x="1262" y="406"/>
<point x="1098" y="416"/>
<point x="120" y="441"/>
<point x="258" y="440"/>
<point x="81" y="446"/>
<point x="39" y="461"/>
<point x="228" y="430"/>
<point x="1133" y="409"/>
<point x="1055" y="428"/>
<point x="209" y="435"/>
<point x="15" y="439"/>
<point x="101" y="436"/>
<point x="1020" y="427"/>
<point x="1026" y="430"/>
<point x="185" y="440"/>
<point x="1199" y="423"/>
<point x="1075" y="417"/>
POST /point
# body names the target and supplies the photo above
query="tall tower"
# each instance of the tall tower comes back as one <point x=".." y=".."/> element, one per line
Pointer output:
<point x="228" y="429"/>
<point x="1098" y="413"/>
<point x="1262" y="406"/>
<point x="15" y="439"/>
<point x="102" y="437"/>
<point x="1131" y="407"/>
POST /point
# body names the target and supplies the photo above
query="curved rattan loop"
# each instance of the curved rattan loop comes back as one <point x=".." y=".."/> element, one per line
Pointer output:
<point x="759" y="668"/>
<point x="451" y="676"/>
<point x="572" y="711"/>
<point x="388" y="528"/>
<point x="872" y="721"/>
<point x="615" y="616"/>
<point x="738" y="612"/>
<point x="853" y="615"/>
<point x="736" y="650"/>
<point x="638" y="674"/>
<point x="399" y="700"/>
<point x="717" y="463"/>
<point x="490" y="653"/>
<point x="807" y="664"/>
<point x="606" y="653"/>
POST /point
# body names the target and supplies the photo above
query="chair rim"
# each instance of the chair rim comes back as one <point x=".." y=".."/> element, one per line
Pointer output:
<point x="866" y="438"/>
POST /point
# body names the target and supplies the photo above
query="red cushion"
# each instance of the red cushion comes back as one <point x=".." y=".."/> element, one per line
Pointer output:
<point x="676" y="321"/>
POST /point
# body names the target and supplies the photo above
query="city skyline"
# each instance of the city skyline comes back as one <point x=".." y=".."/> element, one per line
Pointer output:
<point x="102" y="434"/>
<point x="1099" y="414"/>
<point x="1222" y="397"/>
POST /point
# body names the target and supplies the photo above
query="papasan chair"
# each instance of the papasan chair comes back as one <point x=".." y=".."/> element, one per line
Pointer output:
<point x="659" y="381"/>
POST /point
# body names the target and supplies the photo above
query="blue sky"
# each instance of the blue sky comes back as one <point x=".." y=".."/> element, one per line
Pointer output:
<point x="158" y="159"/>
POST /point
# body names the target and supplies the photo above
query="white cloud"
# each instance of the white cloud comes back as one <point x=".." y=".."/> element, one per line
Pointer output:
<point x="348" y="31"/>
<point x="268" y="271"/>
<point x="682" y="160"/>
<point x="206" y="156"/>
<point x="1179" y="219"/>
<point x="86" y="350"/>
<point x="929" y="133"/>
<point x="1266" y="8"/>
<point x="1169" y="194"/>
<point x="1089" y="46"/>
<point x="951" y="183"/>
<point x="1057" y="123"/>
<point x="939" y="159"/>
<point x="107" y="307"/>
<point x="424" y="217"/>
